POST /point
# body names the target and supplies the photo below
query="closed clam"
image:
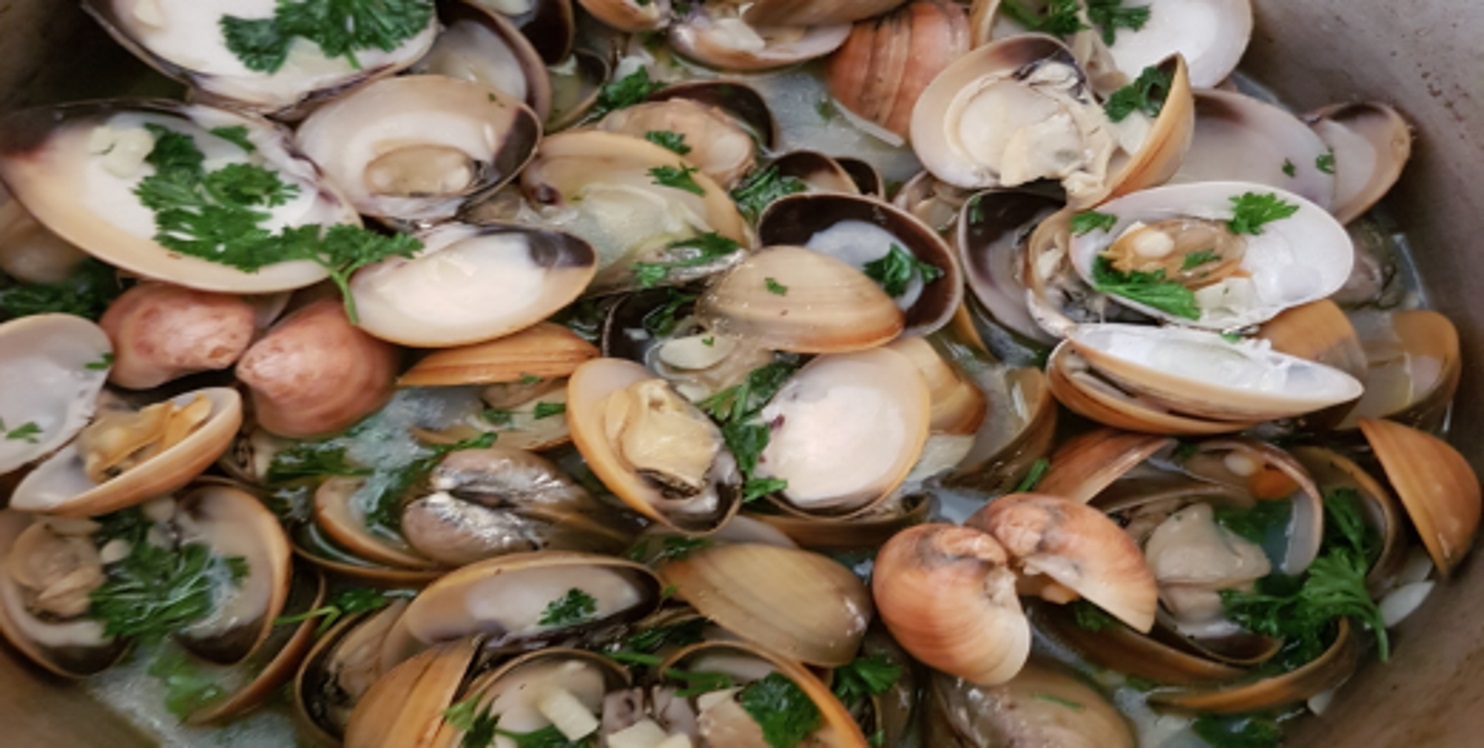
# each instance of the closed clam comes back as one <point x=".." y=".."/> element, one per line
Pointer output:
<point x="886" y="62"/>
<point x="405" y="706"/>
<point x="796" y="299"/>
<point x="162" y="332"/>
<point x="906" y="257"/>
<point x="472" y="283"/>
<point x="798" y="604"/>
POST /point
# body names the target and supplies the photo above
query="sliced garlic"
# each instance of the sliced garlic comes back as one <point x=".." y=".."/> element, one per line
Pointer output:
<point x="571" y="718"/>
<point x="645" y="733"/>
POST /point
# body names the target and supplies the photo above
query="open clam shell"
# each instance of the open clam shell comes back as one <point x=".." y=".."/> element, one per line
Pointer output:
<point x="416" y="148"/>
<point x="1371" y="143"/>
<point x="61" y="485"/>
<point x="405" y="706"/>
<point x="1044" y="704"/>
<point x="629" y="15"/>
<point x="870" y="236"/>
<point x="1177" y="368"/>
<point x="1435" y="483"/>
<point x="479" y="44"/>
<point x="1327" y="671"/>
<point x="710" y="137"/>
<point x="183" y="39"/>
<point x="50" y="156"/>
<point x="1413" y="367"/>
<point x="798" y="604"/>
<point x="1080" y="388"/>
<point x="51" y="371"/>
<point x="1231" y="127"/>
<point x="472" y="283"/>
<point x="545" y="350"/>
<point x="550" y="25"/>
<point x="1210" y="36"/>
<point x="993" y="227"/>
<point x="342" y="664"/>
<point x="601" y="399"/>
<point x="714" y="34"/>
<point x="1235" y="280"/>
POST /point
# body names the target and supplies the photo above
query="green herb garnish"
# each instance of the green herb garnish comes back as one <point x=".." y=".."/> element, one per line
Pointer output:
<point x="625" y="92"/>
<point x="102" y="364"/>
<point x="661" y="321"/>
<point x="1110" y="16"/>
<point x="865" y="677"/>
<point x="25" y="432"/>
<point x="218" y="216"/>
<point x="696" y="251"/>
<point x="1238" y="732"/>
<point x="547" y="410"/>
<point x="1147" y="93"/>
<point x="1089" y="617"/>
<point x="895" y="269"/>
<point x="673" y="141"/>
<point x="671" y="548"/>
<point x="481" y="727"/>
<point x="761" y="188"/>
<point x="340" y="28"/>
<point x="786" y="714"/>
<point x="497" y="417"/>
<point x="349" y="602"/>
<point x="738" y="408"/>
<point x="1289" y="168"/>
<point x="1326" y="163"/>
<point x="1061" y="17"/>
<point x="384" y="506"/>
<point x="1034" y="476"/>
<point x="1148" y="288"/>
<point x="1059" y="701"/>
<point x="1256" y="522"/>
<point x="774" y="287"/>
<point x="308" y="460"/>
<point x="529" y="379"/>
<point x="1251" y="211"/>
<point x="187" y="687"/>
<point x="1085" y="223"/>
<point x="235" y="134"/>
<point x="677" y="177"/>
<point x="1199" y="258"/>
<point x="756" y="488"/>
<point x="572" y="608"/>
<point x="86" y="292"/>
<point x="651" y="640"/>
<point x="1231" y="337"/>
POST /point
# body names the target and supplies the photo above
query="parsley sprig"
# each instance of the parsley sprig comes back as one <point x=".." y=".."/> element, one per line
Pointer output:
<point x="1147" y="94"/>
<point x="625" y="92"/>
<point x="696" y="251"/>
<point x="26" y="432"/>
<point x="865" y="677"/>
<point x="669" y="140"/>
<point x="1251" y="211"/>
<point x="677" y="177"/>
<point x="219" y="216"/>
<point x="154" y="591"/>
<point x="1061" y="17"/>
<point x="786" y="714"/>
<point x="481" y="727"/>
<point x="1089" y="221"/>
<point x="1110" y="16"/>
<point x="1151" y="289"/>
<point x="348" y="602"/>
<point x="86" y="292"/>
<point x="894" y="271"/>
<point x="761" y="188"/>
<point x="340" y="28"/>
<point x="1302" y="611"/>
<point x="737" y="410"/>
<point x="573" y="607"/>
<point x="187" y="687"/>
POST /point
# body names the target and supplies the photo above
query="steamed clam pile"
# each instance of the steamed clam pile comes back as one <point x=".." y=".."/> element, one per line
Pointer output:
<point x="660" y="374"/>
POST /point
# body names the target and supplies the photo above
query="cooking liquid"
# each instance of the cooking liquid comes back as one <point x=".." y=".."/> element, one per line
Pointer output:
<point x="808" y="119"/>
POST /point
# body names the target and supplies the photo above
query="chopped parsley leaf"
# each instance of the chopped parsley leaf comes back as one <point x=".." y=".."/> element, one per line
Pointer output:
<point x="677" y="177"/>
<point x="894" y="270"/>
<point x="1326" y="163"/>
<point x="774" y="287"/>
<point x="1086" y="223"/>
<point x="761" y="188"/>
<point x="1147" y="288"/>
<point x="1147" y="93"/>
<point x="1251" y="211"/>
<point x="572" y="608"/>
<point x="547" y="410"/>
<point x="672" y="141"/>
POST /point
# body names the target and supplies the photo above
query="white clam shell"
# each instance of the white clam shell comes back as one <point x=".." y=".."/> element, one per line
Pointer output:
<point x="45" y="380"/>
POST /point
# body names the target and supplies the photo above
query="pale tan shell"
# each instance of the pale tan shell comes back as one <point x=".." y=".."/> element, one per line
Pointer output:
<point x="1085" y="465"/>
<point x="1436" y="485"/>
<point x="1323" y="673"/>
<point x="543" y="350"/>
<point x="1362" y="133"/>
<point x="61" y="486"/>
<point x="405" y="707"/>
<point x="53" y="366"/>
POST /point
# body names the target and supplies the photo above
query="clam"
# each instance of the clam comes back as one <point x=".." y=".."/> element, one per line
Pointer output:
<point x="790" y="13"/>
<point x="1333" y="472"/>
<point x="341" y="667"/>
<point x="1006" y="447"/>
<point x="53" y="367"/>
<point x="992" y="229"/>
<point x="343" y="516"/>
<point x="488" y="502"/>
<point x="808" y="171"/>
<point x="844" y="431"/>
<point x="910" y="261"/>
<point x="1082" y="389"/>
<point x="1369" y="143"/>
<point x="629" y="15"/>
<point x="947" y="594"/>
<point x="480" y="45"/>
<point x="1325" y="672"/>
<point x="472" y="283"/>
<point x="796" y="299"/>
<point x="191" y="42"/>
<point x="50" y="156"/>
<point x="72" y="648"/>
<point x="1188" y="233"/>
<point x="1231" y="127"/>
<point x="313" y="544"/>
<point x="1162" y="657"/>
<point x="739" y="101"/>
<point x="416" y="148"/>
<point x="958" y="405"/>
<point x="405" y="706"/>
<point x="887" y="61"/>
<point x="576" y="85"/>
<point x="1083" y="466"/>
<point x="708" y="136"/>
<point x="545" y="350"/>
<point x="1412" y="370"/>
<point x="162" y="332"/>
<point x="1210" y="36"/>
<point x="988" y="118"/>
<point x="1200" y="374"/>
<point x="1318" y="331"/>
<point x="798" y="604"/>
<point x="125" y="457"/>
<point x="315" y="373"/>
<point x="634" y="201"/>
<point x="1043" y="704"/>
<point x="718" y="34"/>
<point x="663" y="457"/>
<point x="1077" y="548"/>
<point x="550" y="25"/>
<point x="1434" y="482"/>
<point x="525" y="598"/>
<point x="29" y="252"/>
